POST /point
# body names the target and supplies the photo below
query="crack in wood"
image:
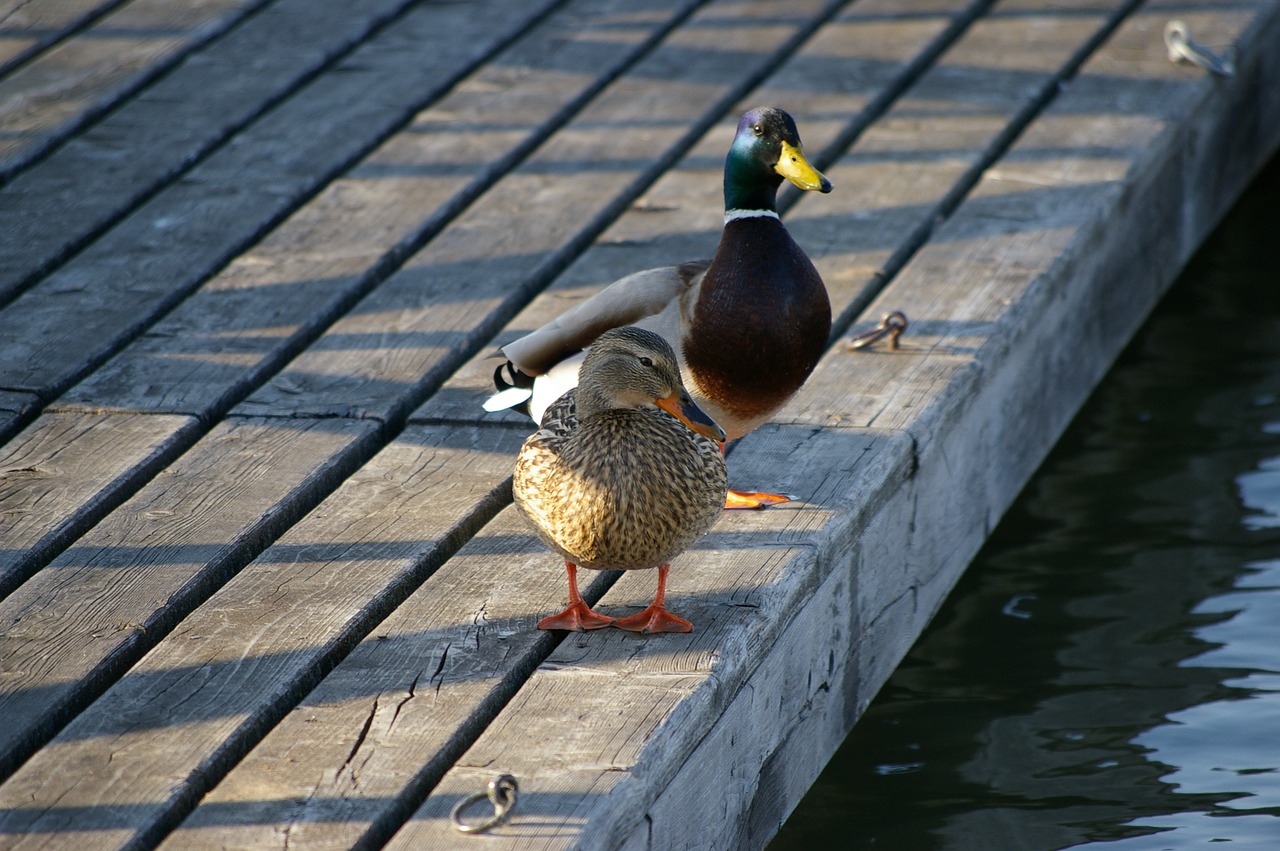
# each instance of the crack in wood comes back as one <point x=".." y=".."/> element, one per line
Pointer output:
<point x="438" y="676"/>
<point x="413" y="692"/>
<point x="360" y="738"/>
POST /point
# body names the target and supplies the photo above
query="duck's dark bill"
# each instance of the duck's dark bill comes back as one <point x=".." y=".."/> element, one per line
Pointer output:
<point x="686" y="411"/>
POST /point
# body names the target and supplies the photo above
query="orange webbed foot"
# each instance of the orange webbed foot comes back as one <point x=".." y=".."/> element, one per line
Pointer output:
<point x="753" y="499"/>
<point x="653" y="620"/>
<point x="579" y="617"/>
<point x="750" y="499"/>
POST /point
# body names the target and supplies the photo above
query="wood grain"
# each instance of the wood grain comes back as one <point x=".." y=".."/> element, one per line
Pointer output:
<point x="96" y="177"/>
<point x="224" y="676"/>
<point x="76" y="79"/>
<point x="75" y="626"/>
<point x="109" y="293"/>
<point x="245" y="322"/>
<point x="50" y="493"/>
<point x="398" y="710"/>
<point x="27" y="28"/>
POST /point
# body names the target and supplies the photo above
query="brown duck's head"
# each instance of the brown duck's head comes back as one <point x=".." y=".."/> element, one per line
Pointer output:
<point x="629" y="367"/>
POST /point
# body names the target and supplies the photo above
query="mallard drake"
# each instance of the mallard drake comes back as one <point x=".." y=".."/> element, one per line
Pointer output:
<point x="748" y="326"/>
<point x="625" y="473"/>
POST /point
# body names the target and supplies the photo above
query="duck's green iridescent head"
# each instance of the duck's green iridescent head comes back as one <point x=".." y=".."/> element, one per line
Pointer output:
<point x="765" y="150"/>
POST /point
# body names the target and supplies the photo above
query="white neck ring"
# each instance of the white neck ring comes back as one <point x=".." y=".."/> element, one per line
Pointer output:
<point x="734" y="215"/>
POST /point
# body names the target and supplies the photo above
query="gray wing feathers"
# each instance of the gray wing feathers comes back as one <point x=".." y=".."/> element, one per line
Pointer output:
<point x="624" y="302"/>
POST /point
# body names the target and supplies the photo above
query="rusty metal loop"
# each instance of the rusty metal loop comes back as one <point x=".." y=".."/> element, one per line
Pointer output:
<point x="501" y="792"/>
<point x="892" y="325"/>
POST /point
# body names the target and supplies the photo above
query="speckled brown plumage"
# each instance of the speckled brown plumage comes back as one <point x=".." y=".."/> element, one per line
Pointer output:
<point x="628" y="489"/>
<point x="610" y="480"/>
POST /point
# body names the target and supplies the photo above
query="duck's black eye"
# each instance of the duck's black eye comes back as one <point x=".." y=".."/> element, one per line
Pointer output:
<point x="646" y="361"/>
<point x="758" y="130"/>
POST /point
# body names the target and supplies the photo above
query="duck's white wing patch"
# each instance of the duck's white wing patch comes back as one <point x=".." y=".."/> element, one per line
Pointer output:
<point x="551" y="385"/>
<point x="505" y="399"/>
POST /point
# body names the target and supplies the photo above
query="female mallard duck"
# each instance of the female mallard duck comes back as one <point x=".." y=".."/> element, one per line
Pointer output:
<point x="748" y="327"/>
<point x="625" y="473"/>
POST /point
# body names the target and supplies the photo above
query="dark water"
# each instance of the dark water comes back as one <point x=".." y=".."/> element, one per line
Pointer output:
<point x="1107" y="672"/>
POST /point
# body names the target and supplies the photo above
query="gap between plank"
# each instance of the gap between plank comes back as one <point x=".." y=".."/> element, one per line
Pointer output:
<point x="384" y="827"/>
<point x="43" y="45"/>
<point x="379" y="271"/>
<point x="204" y="151"/>
<point x="943" y="210"/>
<point x="221" y="762"/>
<point x="96" y="112"/>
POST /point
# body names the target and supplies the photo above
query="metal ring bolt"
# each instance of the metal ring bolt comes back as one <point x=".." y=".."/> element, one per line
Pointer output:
<point x="501" y="792"/>
<point x="1183" y="48"/>
<point x="892" y="326"/>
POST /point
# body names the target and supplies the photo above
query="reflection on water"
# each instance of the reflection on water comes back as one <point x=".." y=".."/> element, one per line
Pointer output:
<point x="1107" y="673"/>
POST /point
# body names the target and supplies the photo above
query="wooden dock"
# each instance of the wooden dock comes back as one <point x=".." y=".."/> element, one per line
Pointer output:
<point x="261" y="582"/>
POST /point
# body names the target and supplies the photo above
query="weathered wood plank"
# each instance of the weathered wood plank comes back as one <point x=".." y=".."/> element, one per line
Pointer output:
<point x="197" y="701"/>
<point x="940" y="518"/>
<point x="50" y="493"/>
<point x="245" y="322"/>
<point x="75" y="626"/>
<point x="27" y="28"/>
<point x="201" y="357"/>
<point x="451" y="296"/>
<point x="60" y="329"/>
<point x="610" y="717"/>
<point x="76" y="80"/>
<point x="93" y="179"/>
<point x="1040" y="354"/>
<point x="15" y="408"/>
<point x="452" y="644"/>
<point x="394" y="714"/>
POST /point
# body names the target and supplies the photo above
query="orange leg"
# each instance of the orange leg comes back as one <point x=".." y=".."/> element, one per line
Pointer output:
<point x="656" y="618"/>
<point x="579" y="617"/>
<point x="751" y="499"/>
